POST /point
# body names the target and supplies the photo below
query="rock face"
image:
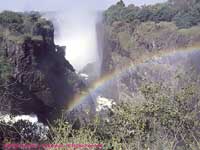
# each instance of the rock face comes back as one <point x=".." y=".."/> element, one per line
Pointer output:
<point x="41" y="80"/>
<point x="125" y="43"/>
<point x="127" y="39"/>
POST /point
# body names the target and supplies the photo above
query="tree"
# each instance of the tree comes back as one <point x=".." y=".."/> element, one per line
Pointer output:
<point x="129" y="14"/>
<point x="7" y="17"/>
<point x="114" y="13"/>
<point x="182" y="4"/>
<point x="121" y="3"/>
<point x="162" y="12"/>
<point x="144" y="14"/>
<point x="188" y="18"/>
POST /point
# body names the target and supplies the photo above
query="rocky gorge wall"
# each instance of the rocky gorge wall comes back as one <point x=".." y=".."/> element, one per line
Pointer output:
<point x="127" y="42"/>
<point x="39" y="79"/>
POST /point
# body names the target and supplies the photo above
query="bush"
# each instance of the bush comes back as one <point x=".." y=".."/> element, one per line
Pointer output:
<point x="144" y="14"/>
<point x="22" y="131"/>
<point x="165" y="121"/>
<point x="113" y="14"/>
<point x="9" y="17"/>
<point x="189" y="18"/>
<point x="185" y="16"/>
<point x="162" y="12"/>
<point x="5" y="69"/>
<point x="129" y="14"/>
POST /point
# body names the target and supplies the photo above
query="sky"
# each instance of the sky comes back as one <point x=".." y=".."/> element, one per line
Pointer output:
<point x="55" y="5"/>
<point x="74" y="23"/>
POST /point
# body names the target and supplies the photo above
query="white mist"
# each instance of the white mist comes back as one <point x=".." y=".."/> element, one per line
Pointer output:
<point x="75" y="23"/>
<point x="77" y="31"/>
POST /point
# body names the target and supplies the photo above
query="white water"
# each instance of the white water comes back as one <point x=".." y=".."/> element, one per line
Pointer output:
<point x="77" y="31"/>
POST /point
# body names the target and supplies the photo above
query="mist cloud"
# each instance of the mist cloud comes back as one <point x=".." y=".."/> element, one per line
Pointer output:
<point x="74" y="23"/>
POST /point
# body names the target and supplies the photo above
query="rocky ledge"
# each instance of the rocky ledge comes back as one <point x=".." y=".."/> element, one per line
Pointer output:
<point x="35" y="76"/>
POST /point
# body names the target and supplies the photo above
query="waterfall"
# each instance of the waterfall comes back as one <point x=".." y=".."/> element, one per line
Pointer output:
<point x="100" y="41"/>
<point x="77" y="31"/>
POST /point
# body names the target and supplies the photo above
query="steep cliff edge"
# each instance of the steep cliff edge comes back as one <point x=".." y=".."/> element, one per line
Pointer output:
<point x="36" y="77"/>
<point x="131" y="33"/>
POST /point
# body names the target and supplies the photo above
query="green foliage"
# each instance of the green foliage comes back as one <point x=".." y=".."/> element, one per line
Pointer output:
<point x="129" y="14"/>
<point x="188" y="18"/>
<point x="185" y="14"/>
<point x="125" y="40"/>
<point x="5" y="69"/>
<point x="182" y="4"/>
<point x="121" y="3"/>
<point x="144" y="14"/>
<point x="114" y="13"/>
<point x="9" y="17"/>
<point x="162" y="12"/>
<point x="21" y="132"/>
<point x="12" y="21"/>
<point x="184" y="20"/>
<point x="167" y="120"/>
<point x="15" y="26"/>
<point x="156" y="13"/>
<point x="62" y="133"/>
<point x="193" y="31"/>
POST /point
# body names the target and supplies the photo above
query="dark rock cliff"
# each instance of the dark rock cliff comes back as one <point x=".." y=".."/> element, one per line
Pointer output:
<point x="40" y="80"/>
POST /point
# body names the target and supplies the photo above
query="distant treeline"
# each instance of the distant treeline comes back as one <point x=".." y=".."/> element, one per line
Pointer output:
<point x="185" y="13"/>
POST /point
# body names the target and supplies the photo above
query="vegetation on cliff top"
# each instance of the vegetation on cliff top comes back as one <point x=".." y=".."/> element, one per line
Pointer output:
<point x="18" y="26"/>
<point x="184" y="13"/>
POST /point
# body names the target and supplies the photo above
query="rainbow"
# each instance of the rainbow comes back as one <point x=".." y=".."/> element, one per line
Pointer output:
<point x="153" y="56"/>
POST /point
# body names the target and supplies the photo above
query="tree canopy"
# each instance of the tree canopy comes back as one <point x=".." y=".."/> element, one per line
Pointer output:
<point x="185" y="13"/>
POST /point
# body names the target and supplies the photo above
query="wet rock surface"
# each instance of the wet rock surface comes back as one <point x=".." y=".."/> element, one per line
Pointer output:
<point x="41" y="80"/>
